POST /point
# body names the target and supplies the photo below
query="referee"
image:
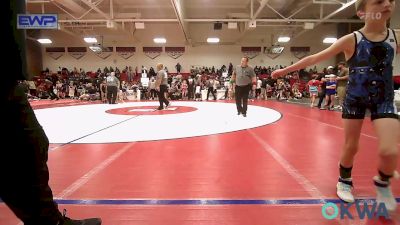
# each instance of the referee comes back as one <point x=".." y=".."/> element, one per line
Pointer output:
<point x="112" y="88"/>
<point x="162" y="86"/>
<point x="244" y="78"/>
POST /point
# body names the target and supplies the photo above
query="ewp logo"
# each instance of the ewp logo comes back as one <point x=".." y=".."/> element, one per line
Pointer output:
<point x="37" y="21"/>
<point x="374" y="212"/>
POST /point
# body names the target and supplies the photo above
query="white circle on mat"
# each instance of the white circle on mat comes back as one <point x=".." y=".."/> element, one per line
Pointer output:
<point x="92" y="124"/>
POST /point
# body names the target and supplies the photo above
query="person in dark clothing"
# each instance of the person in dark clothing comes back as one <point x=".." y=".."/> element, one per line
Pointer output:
<point x="191" y="87"/>
<point x="50" y="90"/>
<point x="23" y="169"/>
<point x="323" y="87"/>
<point x="322" y="91"/>
<point x="230" y="69"/>
<point x="178" y="68"/>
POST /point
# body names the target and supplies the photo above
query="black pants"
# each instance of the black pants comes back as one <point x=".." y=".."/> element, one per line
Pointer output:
<point x="153" y="93"/>
<point x="23" y="170"/>
<point x="50" y="91"/>
<point x="112" y="92"/>
<point x="190" y="92"/>
<point x="396" y="86"/>
<point x="258" y="92"/>
<point x="211" y="90"/>
<point x="161" y="96"/>
<point x="242" y="97"/>
<point x="321" y="99"/>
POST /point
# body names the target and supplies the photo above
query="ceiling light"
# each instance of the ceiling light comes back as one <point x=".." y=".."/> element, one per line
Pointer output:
<point x="283" y="39"/>
<point x="44" y="41"/>
<point x="160" y="40"/>
<point x="90" y="40"/>
<point x="213" y="40"/>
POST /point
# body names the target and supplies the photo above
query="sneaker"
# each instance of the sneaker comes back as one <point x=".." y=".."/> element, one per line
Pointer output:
<point x="159" y="108"/>
<point x="168" y="105"/>
<point x="384" y="194"/>
<point x="343" y="190"/>
<point x="239" y="113"/>
<point x="244" y="115"/>
<point x="68" y="221"/>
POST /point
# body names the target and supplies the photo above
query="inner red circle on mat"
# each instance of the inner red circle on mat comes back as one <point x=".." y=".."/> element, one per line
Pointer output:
<point x="151" y="110"/>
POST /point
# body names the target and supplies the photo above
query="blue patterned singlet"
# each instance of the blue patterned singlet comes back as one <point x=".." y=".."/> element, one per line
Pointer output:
<point x="370" y="84"/>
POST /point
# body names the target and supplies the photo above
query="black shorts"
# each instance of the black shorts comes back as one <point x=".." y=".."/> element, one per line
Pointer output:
<point x="357" y="110"/>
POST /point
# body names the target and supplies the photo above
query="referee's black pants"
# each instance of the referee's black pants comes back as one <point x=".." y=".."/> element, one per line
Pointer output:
<point x="161" y="96"/>
<point x="242" y="97"/>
